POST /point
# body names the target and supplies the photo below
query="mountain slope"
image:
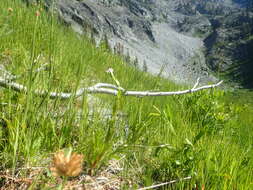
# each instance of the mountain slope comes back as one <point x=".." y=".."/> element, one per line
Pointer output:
<point x="136" y="142"/>
<point x="184" y="38"/>
<point x="146" y="29"/>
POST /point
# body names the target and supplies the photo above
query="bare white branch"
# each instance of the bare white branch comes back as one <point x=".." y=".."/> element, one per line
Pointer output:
<point x="105" y="85"/>
<point x="166" y="183"/>
<point x="100" y="88"/>
<point x="42" y="68"/>
<point x="6" y="74"/>
<point x="196" y="84"/>
<point x="11" y="77"/>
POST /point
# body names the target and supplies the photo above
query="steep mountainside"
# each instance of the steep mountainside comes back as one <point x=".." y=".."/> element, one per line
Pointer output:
<point x="186" y="38"/>
<point x="228" y="40"/>
<point x="147" y="30"/>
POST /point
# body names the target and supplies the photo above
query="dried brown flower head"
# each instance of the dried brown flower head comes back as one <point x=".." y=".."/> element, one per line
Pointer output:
<point x="10" y="9"/>
<point x="67" y="164"/>
<point x="37" y="13"/>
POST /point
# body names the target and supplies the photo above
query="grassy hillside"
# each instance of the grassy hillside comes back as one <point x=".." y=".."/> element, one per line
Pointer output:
<point x="134" y="141"/>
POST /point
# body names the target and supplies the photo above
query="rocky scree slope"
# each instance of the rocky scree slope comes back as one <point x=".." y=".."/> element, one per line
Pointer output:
<point x="229" y="39"/>
<point x="186" y="38"/>
<point x="146" y="30"/>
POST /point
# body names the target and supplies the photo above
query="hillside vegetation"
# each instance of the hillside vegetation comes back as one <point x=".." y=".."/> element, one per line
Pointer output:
<point x="135" y="141"/>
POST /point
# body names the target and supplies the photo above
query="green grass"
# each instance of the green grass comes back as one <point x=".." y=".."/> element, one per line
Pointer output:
<point x="207" y="135"/>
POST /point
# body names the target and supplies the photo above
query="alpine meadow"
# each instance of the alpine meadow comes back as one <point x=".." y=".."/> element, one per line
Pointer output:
<point x="200" y="140"/>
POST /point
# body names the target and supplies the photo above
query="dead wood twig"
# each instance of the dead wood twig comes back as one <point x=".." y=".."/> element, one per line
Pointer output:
<point x="166" y="183"/>
<point x="101" y="88"/>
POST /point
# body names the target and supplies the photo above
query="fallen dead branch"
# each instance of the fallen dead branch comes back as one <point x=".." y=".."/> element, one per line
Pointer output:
<point x="101" y="88"/>
<point x="10" y="77"/>
<point x="166" y="183"/>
